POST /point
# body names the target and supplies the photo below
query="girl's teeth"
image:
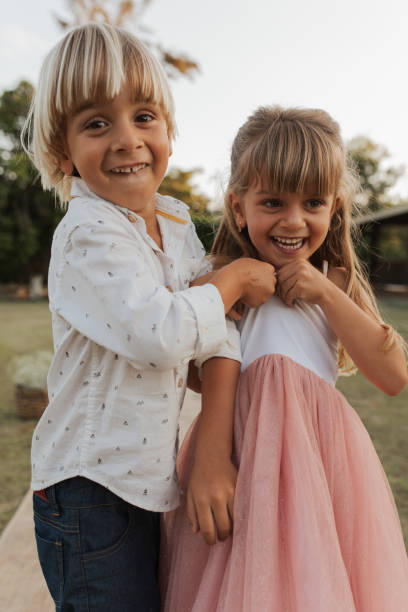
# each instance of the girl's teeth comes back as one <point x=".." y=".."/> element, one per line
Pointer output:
<point x="128" y="170"/>
<point x="289" y="243"/>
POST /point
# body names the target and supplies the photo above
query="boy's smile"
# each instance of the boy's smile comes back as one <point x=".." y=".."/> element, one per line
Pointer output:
<point x="283" y="226"/>
<point x="120" y="149"/>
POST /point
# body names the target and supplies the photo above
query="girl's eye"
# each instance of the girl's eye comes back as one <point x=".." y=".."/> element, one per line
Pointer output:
<point x="315" y="203"/>
<point x="95" y="124"/>
<point x="272" y="203"/>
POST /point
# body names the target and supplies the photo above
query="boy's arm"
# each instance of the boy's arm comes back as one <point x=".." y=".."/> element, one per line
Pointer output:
<point x="210" y="495"/>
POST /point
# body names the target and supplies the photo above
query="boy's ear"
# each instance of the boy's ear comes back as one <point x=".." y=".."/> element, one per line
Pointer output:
<point x="64" y="161"/>
<point x="66" y="166"/>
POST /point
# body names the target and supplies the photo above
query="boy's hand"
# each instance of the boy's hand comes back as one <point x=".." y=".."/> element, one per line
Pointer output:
<point x="258" y="280"/>
<point x="210" y="498"/>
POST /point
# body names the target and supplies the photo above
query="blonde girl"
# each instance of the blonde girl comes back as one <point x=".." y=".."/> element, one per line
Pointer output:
<point x="315" y="528"/>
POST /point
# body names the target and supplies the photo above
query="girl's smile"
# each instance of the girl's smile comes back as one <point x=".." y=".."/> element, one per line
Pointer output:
<point x="283" y="226"/>
<point x="288" y="245"/>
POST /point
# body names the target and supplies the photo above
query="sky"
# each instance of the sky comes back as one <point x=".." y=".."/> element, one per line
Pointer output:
<point x="346" y="56"/>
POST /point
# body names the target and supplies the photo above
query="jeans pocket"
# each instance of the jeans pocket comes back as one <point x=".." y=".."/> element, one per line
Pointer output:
<point x="104" y="530"/>
<point x="50" y="553"/>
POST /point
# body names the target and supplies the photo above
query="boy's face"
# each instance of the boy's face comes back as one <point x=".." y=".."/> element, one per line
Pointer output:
<point x="120" y="149"/>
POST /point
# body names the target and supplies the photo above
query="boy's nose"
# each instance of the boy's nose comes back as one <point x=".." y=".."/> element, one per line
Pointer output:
<point x="127" y="138"/>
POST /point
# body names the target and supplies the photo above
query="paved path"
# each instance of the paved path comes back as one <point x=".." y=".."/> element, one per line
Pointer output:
<point x="22" y="586"/>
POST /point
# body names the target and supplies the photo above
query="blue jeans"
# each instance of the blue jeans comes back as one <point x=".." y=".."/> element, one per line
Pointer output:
<point x="97" y="552"/>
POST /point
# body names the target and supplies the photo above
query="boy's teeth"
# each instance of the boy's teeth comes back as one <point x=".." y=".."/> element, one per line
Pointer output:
<point x="289" y="243"/>
<point x="128" y="170"/>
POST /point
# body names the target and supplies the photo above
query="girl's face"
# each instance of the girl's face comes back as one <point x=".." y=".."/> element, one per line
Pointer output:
<point x="283" y="226"/>
<point x="120" y="149"/>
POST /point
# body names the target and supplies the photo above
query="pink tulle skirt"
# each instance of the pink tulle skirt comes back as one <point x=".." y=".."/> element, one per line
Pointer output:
<point x="315" y="524"/>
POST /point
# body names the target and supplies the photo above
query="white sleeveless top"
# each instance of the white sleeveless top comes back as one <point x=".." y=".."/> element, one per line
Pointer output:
<point x="300" y="332"/>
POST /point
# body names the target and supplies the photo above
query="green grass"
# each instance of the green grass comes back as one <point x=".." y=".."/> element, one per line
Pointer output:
<point x="25" y="327"/>
<point x="386" y="418"/>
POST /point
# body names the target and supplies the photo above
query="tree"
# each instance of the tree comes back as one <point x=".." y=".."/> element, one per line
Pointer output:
<point x="177" y="183"/>
<point x="28" y="215"/>
<point x="376" y="177"/>
<point x="127" y="13"/>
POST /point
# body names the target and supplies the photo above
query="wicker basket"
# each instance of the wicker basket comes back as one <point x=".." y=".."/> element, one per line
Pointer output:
<point x="30" y="403"/>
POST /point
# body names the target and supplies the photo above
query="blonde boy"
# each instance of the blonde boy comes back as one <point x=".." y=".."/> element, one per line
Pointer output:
<point x="125" y="321"/>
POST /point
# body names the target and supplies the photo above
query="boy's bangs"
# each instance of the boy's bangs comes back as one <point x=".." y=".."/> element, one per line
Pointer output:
<point x="288" y="159"/>
<point x="94" y="71"/>
<point x="147" y="83"/>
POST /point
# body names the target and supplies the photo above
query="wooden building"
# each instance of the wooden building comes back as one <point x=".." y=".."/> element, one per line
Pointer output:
<point x="385" y="247"/>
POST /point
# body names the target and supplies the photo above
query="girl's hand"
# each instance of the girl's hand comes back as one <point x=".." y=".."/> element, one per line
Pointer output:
<point x="210" y="498"/>
<point x="301" y="280"/>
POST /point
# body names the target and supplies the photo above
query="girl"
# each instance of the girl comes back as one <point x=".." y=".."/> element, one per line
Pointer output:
<point x="125" y="321"/>
<point x="315" y="525"/>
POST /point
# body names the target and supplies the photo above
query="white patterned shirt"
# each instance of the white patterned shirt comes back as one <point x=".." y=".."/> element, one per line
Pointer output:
<point x="125" y="326"/>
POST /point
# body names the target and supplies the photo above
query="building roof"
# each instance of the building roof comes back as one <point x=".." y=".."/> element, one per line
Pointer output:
<point x="393" y="214"/>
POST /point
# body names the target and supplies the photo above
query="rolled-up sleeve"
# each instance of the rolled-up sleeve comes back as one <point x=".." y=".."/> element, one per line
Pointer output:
<point x="229" y="349"/>
<point x="106" y="290"/>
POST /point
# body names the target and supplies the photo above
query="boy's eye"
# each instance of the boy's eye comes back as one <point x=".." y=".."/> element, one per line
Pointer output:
<point x="95" y="124"/>
<point x="144" y="118"/>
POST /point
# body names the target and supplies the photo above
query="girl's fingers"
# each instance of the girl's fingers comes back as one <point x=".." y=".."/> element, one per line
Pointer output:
<point x="222" y="521"/>
<point x="191" y="513"/>
<point x="206" y="524"/>
<point x="288" y="291"/>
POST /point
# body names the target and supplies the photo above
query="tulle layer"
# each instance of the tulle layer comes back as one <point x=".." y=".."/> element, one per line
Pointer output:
<point x="315" y="524"/>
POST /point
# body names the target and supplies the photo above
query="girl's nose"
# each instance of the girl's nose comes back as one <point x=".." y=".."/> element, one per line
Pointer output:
<point x="293" y="218"/>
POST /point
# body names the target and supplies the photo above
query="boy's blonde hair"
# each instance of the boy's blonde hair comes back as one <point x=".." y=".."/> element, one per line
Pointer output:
<point x="300" y="151"/>
<point x="90" y="64"/>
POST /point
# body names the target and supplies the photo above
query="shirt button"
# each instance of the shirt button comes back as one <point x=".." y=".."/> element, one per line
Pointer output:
<point x="132" y="218"/>
<point x="180" y="382"/>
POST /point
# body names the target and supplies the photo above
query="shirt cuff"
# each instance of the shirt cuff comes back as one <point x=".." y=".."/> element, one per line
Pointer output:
<point x="208" y="307"/>
<point x="230" y="349"/>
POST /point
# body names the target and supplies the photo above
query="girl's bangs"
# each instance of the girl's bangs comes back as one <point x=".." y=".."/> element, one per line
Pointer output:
<point x="291" y="160"/>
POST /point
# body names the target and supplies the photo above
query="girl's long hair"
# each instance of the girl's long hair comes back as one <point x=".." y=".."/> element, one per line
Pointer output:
<point x="300" y="150"/>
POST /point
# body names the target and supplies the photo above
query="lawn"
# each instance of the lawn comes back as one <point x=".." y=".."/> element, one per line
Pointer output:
<point x="25" y="327"/>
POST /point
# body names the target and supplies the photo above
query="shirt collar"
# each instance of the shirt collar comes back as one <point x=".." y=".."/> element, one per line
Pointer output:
<point x="173" y="217"/>
<point x="166" y="206"/>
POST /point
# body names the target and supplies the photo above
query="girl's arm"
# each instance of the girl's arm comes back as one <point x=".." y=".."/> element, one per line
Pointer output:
<point x="362" y="336"/>
<point x="210" y="495"/>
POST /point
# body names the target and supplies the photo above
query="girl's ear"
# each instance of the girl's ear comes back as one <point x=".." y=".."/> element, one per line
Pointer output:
<point x="237" y="210"/>
<point x="338" y="203"/>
